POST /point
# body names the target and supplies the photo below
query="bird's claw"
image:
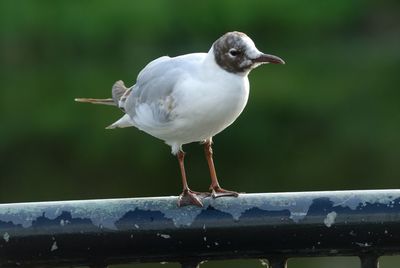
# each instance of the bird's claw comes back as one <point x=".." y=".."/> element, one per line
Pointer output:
<point x="202" y="194"/>
<point x="220" y="192"/>
<point x="192" y="198"/>
<point x="189" y="197"/>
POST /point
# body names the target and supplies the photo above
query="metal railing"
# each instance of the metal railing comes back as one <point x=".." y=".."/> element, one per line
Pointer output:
<point x="273" y="226"/>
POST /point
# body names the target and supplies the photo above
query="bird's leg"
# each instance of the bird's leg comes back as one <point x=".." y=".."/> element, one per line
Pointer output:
<point x="216" y="190"/>
<point x="187" y="197"/>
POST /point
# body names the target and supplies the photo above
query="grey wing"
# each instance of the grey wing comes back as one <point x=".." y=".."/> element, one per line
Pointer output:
<point x="151" y="103"/>
<point x="157" y="80"/>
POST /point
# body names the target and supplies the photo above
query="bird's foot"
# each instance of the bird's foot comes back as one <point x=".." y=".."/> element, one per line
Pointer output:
<point x="189" y="197"/>
<point x="201" y="194"/>
<point x="219" y="192"/>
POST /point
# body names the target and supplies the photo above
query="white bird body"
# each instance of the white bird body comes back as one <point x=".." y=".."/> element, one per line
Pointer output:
<point x="191" y="98"/>
<point x="210" y="99"/>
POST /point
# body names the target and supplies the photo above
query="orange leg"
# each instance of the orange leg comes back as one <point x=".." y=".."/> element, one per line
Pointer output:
<point x="187" y="197"/>
<point x="216" y="190"/>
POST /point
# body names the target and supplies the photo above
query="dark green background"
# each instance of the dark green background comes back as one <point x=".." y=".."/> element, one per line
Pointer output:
<point x="327" y="120"/>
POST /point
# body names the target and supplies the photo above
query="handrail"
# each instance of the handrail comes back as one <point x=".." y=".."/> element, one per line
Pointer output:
<point x="273" y="226"/>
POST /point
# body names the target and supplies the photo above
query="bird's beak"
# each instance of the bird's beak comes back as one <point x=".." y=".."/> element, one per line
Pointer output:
<point x="266" y="58"/>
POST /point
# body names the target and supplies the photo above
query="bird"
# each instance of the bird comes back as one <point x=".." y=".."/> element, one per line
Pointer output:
<point x="190" y="98"/>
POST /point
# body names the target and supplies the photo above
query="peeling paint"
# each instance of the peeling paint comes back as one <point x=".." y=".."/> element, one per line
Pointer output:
<point x="105" y="213"/>
<point x="165" y="236"/>
<point x="65" y="222"/>
<point x="297" y="207"/>
<point x="6" y="237"/>
<point x="330" y="219"/>
<point x="264" y="262"/>
<point x="54" y="246"/>
<point x="361" y="244"/>
<point x="354" y="200"/>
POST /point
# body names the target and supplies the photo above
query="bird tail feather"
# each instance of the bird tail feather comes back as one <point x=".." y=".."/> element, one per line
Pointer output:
<point x="108" y="101"/>
<point x="119" y="95"/>
<point x="123" y="122"/>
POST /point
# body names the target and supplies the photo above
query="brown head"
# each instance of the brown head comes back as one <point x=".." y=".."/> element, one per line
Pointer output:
<point x="235" y="52"/>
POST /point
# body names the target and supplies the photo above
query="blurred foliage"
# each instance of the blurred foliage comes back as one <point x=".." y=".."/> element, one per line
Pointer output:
<point x="327" y="120"/>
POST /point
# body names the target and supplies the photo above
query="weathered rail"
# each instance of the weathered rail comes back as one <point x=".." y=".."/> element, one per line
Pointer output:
<point x="273" y="226"/>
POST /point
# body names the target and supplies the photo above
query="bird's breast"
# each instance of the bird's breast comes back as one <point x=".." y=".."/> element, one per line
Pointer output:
<point x="210" y="106"/>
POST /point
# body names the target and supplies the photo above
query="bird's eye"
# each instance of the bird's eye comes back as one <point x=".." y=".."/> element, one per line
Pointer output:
<point x="234" y="52"/>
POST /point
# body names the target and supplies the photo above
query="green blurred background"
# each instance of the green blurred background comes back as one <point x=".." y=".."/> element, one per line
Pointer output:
<point x="327" y="120"/>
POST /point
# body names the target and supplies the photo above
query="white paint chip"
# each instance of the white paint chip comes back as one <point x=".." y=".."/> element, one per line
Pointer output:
<point x="64" y="222"/>
<point x="330" y="219"/>
<point x="363" y="244"/>
<point x="264" y="262"/>
<point x="166" y="236"/>
<point x="6" y="237"/>
<point x="54" y="246"/>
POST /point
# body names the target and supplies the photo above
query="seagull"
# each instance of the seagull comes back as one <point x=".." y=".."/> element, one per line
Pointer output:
<point x="190" y="98"/>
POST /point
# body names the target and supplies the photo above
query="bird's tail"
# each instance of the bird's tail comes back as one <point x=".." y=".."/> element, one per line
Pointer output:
<point x="119" y="95"/>
<point x="109" y="101"/>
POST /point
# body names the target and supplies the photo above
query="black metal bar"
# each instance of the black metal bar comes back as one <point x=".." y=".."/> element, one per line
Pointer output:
<point x="278" y="262"/>
<point x="190" y="264"/>
<point x="357" y="223"/>
<point x="369" y="261"/>
<point x="98" y="265"/>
